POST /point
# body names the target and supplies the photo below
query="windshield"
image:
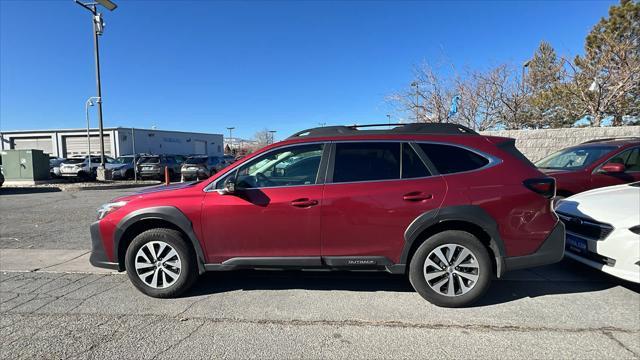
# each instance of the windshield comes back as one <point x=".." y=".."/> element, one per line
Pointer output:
<point x="150" y="160"/>
<point x="196" y="160"/>
<point x="574" y="158"/>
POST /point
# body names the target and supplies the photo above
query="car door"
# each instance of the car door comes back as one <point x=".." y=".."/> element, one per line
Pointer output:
<point x="631" y="160"/>
<point x="374" y="190"/>
<point x="271" y="218"/>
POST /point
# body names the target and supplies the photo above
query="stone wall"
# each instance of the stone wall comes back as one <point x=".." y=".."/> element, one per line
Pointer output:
<point x="536" y="144"/>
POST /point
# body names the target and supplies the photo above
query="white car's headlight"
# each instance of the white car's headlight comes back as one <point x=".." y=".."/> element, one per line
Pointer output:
<point x="108" y="208"/>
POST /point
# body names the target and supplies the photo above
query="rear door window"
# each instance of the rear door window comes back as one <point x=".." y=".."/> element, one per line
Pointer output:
<point x="366" y="161"/>
<point x="449" y="159"/>
<point x="412" y="165"/>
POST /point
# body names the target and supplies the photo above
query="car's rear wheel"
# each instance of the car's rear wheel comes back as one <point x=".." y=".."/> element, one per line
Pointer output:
<point x="451" y="269"/>
<point x="160" y="263"/>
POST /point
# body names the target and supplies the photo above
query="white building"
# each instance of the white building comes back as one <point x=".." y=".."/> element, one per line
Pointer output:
<point x="117" y="141"/>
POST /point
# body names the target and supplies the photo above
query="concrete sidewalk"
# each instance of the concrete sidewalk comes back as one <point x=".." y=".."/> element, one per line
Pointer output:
<point x="43" y="260"/>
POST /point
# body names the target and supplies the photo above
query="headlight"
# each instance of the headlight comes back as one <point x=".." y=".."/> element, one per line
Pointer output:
<point x="107" y="209"/>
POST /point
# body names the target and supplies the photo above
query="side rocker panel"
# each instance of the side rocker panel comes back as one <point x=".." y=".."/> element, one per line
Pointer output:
<point x="167" y="213"/>
<point x="468" y="213"/>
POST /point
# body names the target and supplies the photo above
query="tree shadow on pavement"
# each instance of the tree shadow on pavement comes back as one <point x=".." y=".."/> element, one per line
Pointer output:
<point x="27" y="190"/>
<point x="567" y="277"/>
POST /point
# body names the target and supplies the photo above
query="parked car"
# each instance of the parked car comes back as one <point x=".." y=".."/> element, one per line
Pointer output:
<point x="79" y="166"/>
<point x="152" y="167"/>
<point x="603" y="229"/>
<point x="200" y="167"/>
<point x="440" y="203"/>
<point x="123" y="167"/>
<point x="1" y="179"/>
<point x="54" y="165"/>
<point x="593" y="164"/>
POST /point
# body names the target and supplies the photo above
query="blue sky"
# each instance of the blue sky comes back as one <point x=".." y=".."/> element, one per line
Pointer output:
<point x="206" y="65"/>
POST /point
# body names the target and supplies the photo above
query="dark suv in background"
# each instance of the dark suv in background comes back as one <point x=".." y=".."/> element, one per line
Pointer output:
<point x="152" y="167"/>
<point x="594" y="164"/>
<point x="200" y="167"/>
<point x="439" y="203"/>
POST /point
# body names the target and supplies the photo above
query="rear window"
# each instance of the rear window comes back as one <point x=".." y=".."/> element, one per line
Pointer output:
<point x="412" y="165"/>
<point x="450" y="159"/>
<point x="366" y="161"/>
<point x="196" y="160"/>
<point x="150" y="160"/>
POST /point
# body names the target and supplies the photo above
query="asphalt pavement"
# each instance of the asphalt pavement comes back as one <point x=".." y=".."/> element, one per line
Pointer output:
<point x="66" y="310"/>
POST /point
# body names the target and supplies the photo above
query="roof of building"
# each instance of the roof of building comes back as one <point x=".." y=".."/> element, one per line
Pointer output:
<point x="104" y="129"/>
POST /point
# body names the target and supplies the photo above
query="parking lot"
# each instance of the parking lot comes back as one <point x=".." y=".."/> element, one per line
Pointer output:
<point x="559" y="311"/>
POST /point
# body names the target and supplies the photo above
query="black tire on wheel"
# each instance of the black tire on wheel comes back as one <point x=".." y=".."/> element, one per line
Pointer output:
<point x="188" y="272"/>
<point x="459" y="240"/>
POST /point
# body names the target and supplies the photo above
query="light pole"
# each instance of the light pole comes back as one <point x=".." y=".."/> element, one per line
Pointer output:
<point x="389" y="119"/>
<point x="230" y="137"/>
<point x="86" y="110"/>
<point x="98" y="27"/>
<point x="273" y="132"/>
<point x="524" y="66"/>
<point x="415" y="86"/>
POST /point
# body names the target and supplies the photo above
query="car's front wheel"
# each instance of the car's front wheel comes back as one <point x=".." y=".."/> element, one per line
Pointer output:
<point x="160" y="263"/>
<point x="451" y="269"/>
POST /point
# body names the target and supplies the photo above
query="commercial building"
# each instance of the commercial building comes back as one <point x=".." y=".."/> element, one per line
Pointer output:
<point x="117" y="141"/>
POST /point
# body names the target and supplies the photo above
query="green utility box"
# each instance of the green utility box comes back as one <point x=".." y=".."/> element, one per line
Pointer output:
<point x="25" y="165"/>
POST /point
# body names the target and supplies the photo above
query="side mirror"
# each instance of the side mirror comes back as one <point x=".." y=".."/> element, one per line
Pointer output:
<point x="612" y="168"/>
<point x="230" y="186"/>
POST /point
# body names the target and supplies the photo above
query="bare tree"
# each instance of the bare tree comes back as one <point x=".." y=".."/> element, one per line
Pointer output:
<point x="262" y="138"/>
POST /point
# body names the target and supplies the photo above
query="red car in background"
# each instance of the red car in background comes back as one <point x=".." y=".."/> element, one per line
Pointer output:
<point x="593" y="164"/>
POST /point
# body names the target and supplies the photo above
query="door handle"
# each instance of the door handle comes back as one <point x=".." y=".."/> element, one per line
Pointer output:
<point x="417" y="196"/>
<point x="302" y="203"/>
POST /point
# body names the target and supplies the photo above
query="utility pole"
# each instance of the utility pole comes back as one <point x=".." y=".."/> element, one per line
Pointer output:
<point x="273" y="132"/>
<point x="98" y="28"/>
<point x="415" y="86"/>
<point x="230" y="137"/>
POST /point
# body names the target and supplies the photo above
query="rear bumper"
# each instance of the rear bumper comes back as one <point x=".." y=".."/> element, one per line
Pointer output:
<point x="98" y="256"/>
<point x="551" y="251"/>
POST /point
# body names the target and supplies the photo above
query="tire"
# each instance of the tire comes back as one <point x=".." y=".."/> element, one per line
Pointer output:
<point x="185" y="267"/>
<point x="442" y="244"/>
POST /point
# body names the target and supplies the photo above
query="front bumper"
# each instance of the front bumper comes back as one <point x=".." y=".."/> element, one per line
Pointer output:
<point x="98" y="256"/>
<point x="551" y="251"/>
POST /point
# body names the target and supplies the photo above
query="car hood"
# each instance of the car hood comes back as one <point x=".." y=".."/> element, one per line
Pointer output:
<point x="616" y="205"/>
<point x="155" y="190"/>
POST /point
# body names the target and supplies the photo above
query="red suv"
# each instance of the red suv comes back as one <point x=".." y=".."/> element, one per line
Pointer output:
<point x="594" y="164"/>
<point x="438" y="202"/>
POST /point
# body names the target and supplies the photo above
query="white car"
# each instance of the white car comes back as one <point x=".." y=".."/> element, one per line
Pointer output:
<point x="79" y="166"/>
<point x="603" y="229"/>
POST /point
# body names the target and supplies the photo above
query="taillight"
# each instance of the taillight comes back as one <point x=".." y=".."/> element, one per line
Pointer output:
<point x="543" y="186"/>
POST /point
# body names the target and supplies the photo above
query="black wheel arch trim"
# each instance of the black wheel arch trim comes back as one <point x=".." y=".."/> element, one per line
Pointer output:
<point x="472" y="214"/>
<point x="170" y="214"/>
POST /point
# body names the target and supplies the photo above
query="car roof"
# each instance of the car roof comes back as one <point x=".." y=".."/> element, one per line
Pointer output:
<point x="389" y="129"/>
<point x="617" y="141"/>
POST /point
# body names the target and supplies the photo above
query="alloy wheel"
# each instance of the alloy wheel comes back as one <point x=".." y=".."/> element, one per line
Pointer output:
<point x="451" y="270"/>
<point x="157" y="264"/>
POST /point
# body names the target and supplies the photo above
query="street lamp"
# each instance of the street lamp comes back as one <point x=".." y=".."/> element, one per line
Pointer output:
<point x="86" y="110"/>
<point x="389" y="119"/>
<point x="273" y="132"/>
<point x="98" y="28"/>
<point x="415" y="85"/>
<point x="524" y="66"/>
<point x="230" y="137"/>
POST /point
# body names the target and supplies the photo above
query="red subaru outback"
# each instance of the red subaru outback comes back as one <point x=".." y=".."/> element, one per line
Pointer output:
<point x="448" y="207"/>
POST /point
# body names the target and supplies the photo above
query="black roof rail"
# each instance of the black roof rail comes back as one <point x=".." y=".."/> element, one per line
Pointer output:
<point x="410" y="128"/>
<point x="613" y="139"/>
